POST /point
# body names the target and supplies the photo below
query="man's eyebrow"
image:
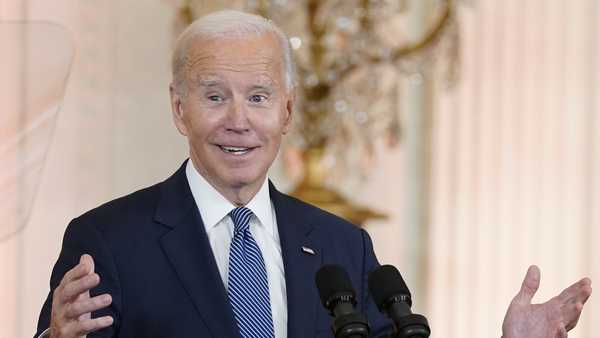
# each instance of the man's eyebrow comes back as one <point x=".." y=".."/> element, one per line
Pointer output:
<point x="208" y="83"/>
<point x="266" y="87"/>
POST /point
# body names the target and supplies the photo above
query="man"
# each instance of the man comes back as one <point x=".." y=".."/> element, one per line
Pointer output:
<point x="216" y="250"/>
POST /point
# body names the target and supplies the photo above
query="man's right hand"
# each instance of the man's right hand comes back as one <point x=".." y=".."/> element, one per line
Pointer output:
<point x="72" y="305"/>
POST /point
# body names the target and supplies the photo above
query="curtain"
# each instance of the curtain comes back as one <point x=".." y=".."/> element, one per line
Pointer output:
<point x="515" y="164"/>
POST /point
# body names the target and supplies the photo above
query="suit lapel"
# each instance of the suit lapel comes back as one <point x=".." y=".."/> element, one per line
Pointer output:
<point x="188" y="249"/>
<point x="296" y="232"/>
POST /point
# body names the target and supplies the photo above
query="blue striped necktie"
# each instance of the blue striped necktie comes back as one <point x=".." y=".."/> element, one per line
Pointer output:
<point x="248" y="287"/>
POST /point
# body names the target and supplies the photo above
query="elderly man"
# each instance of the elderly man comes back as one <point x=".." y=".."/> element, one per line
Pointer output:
<point x="215" y="250"/>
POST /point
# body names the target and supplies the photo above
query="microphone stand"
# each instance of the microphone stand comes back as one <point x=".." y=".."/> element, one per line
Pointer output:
<point x="410" y="326"/>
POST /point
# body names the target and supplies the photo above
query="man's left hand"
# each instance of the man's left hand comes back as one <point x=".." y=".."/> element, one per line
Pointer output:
<point x="552" y="319"/>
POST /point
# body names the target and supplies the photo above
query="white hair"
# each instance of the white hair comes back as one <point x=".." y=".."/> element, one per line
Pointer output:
<point x="230" y="23"/>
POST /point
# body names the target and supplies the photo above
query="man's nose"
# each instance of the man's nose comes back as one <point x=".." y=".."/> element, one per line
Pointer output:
<point x="237" y="117"/>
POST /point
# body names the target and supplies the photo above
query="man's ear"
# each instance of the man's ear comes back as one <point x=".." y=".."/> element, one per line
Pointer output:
<point x="177" y="110"/>
<point x="289" y="110"/>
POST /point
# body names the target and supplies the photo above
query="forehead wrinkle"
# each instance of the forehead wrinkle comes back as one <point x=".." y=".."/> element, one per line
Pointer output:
<point x="208" y="76"/>
<point x="206" y="56"/>
<point x="263" y="63"/>
<point x="264" y="82"/>
<point x="192" y="61"/>
<point x="206" y="60"/>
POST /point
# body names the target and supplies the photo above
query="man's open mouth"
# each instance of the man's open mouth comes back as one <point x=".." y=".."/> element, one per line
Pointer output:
<point x="236" y="150"/>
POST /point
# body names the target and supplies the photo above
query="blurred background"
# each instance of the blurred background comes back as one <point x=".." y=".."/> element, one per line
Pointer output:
<point x="463" y="135"/>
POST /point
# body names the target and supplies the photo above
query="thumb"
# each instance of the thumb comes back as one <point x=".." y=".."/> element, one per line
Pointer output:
<point x="530" y="285"/>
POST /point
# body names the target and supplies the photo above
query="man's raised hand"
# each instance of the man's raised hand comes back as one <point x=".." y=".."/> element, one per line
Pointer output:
<point x="72" y="305"/>
<point x="551" y="319"/>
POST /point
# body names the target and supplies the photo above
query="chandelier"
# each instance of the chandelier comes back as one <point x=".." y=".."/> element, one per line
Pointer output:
<point x="351" y="56"/>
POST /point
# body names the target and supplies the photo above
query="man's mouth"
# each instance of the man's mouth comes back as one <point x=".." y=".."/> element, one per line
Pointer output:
<point x="236" y="150"/>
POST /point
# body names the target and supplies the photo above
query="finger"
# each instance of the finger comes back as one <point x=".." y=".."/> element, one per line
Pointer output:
<point x="82" y="297"/>
<point x="572" y="316"/>
<point x="562" y="332"/>
<point x="571" y="311"/>
<point x="75" y="288"/>
<point x="85" y="306"/>
<point x="529" y="287"/>
<point x="585" y="290"/>
<point x="83" y="268"/>
<point x="576" y="293"/>
<point x="88" y="261"/>
<point x="82" y="328"/>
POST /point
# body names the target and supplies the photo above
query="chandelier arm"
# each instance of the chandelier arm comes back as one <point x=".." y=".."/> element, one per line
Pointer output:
<point x="317" y="46"/>
<point x="433" y="35"/>
<point x="263" y="8"/>
<point x="398" y="53"/>
<point x="186" y="12"/>
<point x="338" y="67"/>
<point x="366" y="23"/>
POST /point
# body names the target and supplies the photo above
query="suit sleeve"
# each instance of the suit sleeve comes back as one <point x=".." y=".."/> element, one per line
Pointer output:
<point x="81" y="237"/>
<point x="378" y="322"/>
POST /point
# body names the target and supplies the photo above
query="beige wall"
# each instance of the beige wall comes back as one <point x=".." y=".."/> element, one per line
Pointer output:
<point x="112" y="135"/>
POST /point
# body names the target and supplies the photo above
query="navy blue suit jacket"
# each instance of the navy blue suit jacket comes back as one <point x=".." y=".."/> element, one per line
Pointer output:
<point x="153" y="256"/>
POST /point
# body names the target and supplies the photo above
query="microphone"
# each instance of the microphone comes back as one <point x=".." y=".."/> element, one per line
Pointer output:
<point x="338" y="297"/>
<point x="392" y="297"/>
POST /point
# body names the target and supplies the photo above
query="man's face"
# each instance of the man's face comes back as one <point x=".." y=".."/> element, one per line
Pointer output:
<point x="235" y="109"/>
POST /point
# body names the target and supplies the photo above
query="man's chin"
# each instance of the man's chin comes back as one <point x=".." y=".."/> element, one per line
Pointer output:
<point x="243" y="180"/>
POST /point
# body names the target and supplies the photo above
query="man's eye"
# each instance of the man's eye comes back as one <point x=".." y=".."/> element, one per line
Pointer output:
<point x="215" y="98"/>
<point x="258" y="98"/>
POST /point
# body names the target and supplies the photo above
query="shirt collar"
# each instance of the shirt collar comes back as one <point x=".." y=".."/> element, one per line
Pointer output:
<point x="213" y="206"/>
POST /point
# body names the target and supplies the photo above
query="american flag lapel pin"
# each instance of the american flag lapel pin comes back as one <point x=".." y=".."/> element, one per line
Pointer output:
<point x="308" y="250"/>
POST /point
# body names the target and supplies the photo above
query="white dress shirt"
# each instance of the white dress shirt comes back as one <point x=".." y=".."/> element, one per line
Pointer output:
<point x="214" y="210"/>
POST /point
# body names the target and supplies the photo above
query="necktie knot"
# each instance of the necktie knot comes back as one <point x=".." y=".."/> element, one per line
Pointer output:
<point x="241" y="219"/>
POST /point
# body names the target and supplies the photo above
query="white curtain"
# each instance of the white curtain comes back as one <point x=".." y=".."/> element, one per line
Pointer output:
<point x="516" y="164"/>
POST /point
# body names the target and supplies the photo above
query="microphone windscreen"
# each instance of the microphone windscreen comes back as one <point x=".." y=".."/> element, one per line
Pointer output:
<point x="333" y="280"/>
<point x="386" y="282"/>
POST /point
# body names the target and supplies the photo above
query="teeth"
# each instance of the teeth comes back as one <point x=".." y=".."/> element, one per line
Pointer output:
<point x="235" y="150"/>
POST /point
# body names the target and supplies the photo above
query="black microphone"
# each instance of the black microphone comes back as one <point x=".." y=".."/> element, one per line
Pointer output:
<point x="392" y="297"/>
<point x="338" y="297"/>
